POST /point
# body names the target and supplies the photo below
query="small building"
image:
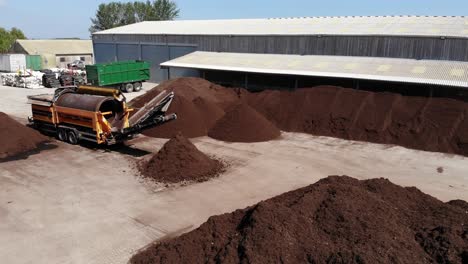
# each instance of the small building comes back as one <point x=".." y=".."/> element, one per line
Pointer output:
<point x="56" y="52"/>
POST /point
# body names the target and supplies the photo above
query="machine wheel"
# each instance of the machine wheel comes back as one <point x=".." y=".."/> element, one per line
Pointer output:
<point x="122" y="88"/>
<point x="62" y="134"/>
<point x="137" y="86"/>
<point x="128" y="87"/>
<point x="72" y="137"/>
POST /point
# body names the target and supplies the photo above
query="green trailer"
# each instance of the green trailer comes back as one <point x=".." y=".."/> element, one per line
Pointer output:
<point x="126" y="75"/>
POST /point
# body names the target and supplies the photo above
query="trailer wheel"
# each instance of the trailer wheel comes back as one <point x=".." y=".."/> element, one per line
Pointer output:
<point x="128" y="87"/>
<point x="62" y="134"/>
<point x="72" y="137"/>
<point x="137" y="86"/>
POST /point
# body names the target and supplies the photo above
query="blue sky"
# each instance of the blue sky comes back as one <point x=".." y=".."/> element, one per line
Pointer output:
<point x="65" y="18"/>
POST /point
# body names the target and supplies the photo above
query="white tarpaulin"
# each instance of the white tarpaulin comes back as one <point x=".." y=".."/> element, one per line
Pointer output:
<point x="28" y="79"/>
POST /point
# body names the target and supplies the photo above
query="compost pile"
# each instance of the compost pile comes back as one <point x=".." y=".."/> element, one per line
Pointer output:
<point x="17" y="139"/>
<point x="336" y="220"/>
<point x="198" y="104"/>
<point x="190" y="121"/>
<point x="178" y="161"/>
<point x="242" y="123"/>
<point x="431" y="124"/>
<point x="209" y="111"/>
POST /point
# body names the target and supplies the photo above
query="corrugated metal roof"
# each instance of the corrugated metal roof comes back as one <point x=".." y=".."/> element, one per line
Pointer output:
<point x="451" y="26"/>
<point x="56" y="46"/>
<point x="448" y="73"/>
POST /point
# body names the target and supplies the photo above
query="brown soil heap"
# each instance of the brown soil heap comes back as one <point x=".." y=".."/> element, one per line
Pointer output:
<point x="197" y="103"/>
<point x="210" y="111"/>
<point x="179" y="160"/>
<point x="16" y="139"/>
<point x="242" y="123"/>
<point x="190" y="121"/>
<point x="432" y="124"/>
<point x="190" y="88"/>
<point x="336" y="220"/>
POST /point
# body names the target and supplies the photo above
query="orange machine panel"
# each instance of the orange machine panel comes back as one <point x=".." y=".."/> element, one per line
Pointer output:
<point x="43" y="113"/>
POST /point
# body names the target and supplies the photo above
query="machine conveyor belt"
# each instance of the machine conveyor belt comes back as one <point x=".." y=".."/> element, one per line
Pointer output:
<point x="158" y="104"/>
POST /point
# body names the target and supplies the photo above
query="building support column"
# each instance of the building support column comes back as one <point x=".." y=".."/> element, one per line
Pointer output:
<point x="246" y="81"/>
<point x="356" y="84"/>
<point x="115" y="51"/>
<point x="140" y="53"/>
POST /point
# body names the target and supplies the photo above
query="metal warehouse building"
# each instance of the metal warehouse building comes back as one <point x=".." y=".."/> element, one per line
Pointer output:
<point x="231" y="48"/>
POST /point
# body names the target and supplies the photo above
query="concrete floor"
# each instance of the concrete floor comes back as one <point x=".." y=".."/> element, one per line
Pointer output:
<point x="74" y="204"/>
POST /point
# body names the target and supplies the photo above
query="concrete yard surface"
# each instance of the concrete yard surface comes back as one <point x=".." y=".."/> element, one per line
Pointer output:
<point x="88" y="204"/>
<point x="76" y="204"/>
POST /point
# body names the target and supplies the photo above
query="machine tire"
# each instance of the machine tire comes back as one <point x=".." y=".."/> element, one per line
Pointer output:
<point x="122" y="88"/>
<point x="72" y="137"/>
<point x="62" y="134"/>
<point x="137" y="86"/>
<point x="128" y="87"/>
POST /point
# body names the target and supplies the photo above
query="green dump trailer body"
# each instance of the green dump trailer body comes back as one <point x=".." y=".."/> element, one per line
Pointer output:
<point x="116" y="73"/>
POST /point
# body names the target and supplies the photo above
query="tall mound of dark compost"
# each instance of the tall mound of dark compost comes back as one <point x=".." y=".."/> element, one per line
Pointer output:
<point x="424" y="123"/>
<point x="336" y="220"/>
<point x="210" y="111"/>
<point x="189" y="122"/>
<point x="431" y="124"/>
<point x="198" y="104"/>
<point x="191" y="88"/>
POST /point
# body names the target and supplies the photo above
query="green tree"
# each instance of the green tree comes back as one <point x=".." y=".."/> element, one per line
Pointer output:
<point x="17" y="33"/>
<point x="117" y="14"/>
<point x="107" y="16"/>
<point x="164" y="10"/>
<point x="4" y="40"/>
<point x="7" y="38"/>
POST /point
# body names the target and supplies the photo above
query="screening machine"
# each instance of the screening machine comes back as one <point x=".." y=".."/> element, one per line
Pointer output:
<point x="99" y="115"/>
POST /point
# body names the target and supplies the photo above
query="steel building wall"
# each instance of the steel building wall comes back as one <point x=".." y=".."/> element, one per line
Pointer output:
<point x="104" y="52"/>
<point x="122" y="47"/>
<point x="374" y="46"/>
<point x="155" y="50"/>
<point x="12" y="62"/>
<point x="128" y="52"/>
<point x="155" y="55"/>
<point x="179" y="51"/>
